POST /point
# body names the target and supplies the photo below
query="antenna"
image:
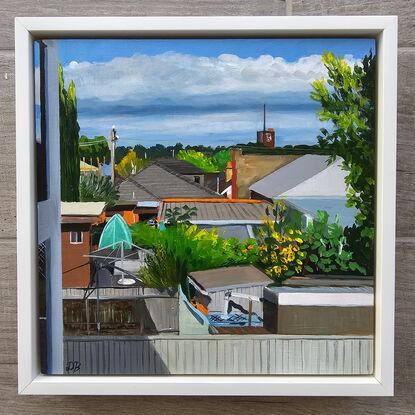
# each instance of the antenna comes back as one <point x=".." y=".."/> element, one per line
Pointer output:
<point x="264" y="117"/>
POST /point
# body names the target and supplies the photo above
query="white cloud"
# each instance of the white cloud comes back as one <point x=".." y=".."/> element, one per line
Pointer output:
<point x="189" y="98"/>
<point x="143" y="78"/>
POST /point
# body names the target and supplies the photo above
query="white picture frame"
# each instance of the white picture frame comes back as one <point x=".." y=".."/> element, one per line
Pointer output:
<point x="384" y="29"/>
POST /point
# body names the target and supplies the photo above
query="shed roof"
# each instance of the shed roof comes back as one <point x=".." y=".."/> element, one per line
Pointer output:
<point x="82" y="208"/>
<point x="85" y="167"/>
<point x="297" y="172"/>
<point x="220" y="210"/>
<point x="229" y="277"/>
<point x="156" y="182"/>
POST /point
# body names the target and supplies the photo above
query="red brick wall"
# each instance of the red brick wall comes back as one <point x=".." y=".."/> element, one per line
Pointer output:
<point x="75" y="267"/>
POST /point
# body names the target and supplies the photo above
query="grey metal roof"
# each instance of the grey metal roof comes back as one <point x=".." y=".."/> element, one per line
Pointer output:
<point x="220" y="211"/>
<point x="179" y="166"/>
<point x="129" y="190"/>
<point x="156" y="182"/>
<point x="290" y="175"/>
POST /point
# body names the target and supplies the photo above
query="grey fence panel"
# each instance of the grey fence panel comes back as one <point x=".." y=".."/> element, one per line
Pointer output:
<point x="219" y="354"/>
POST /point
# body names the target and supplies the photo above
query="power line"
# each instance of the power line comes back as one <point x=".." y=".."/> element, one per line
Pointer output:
<point x="92" y="144"/>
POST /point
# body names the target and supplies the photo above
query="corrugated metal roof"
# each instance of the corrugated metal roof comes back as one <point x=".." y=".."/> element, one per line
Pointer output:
<point x="290" y="175"/>
<point x="157" y="182"/>
<point x="82" y="208"/>
<point x="220" y="211"/>
<point x="245" y="275"/>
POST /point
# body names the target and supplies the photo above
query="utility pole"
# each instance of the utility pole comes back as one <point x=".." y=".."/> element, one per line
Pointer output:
<point x="113" y="140"/>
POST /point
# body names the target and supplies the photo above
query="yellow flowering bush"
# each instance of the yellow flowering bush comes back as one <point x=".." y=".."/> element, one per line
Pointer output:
<point x="280" y="250"/>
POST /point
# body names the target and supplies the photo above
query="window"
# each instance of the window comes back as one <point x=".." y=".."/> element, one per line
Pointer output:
<point x="76" y="237"/>
<point x="197" y="179"/>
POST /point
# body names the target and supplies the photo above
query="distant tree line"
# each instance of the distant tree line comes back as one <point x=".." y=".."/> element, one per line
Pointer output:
<point x="300" y="149"/>
<point x="159" y="150"/>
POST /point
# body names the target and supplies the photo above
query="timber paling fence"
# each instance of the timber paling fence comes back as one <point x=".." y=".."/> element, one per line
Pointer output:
<point x="218" y="354"/>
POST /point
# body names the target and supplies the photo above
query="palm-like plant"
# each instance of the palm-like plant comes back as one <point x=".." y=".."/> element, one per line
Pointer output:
<point x="97" y="189"/>
<point x="180" y="215"/>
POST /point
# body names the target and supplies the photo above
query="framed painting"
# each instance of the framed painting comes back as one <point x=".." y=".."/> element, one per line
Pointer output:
<point x="207" y="205"/>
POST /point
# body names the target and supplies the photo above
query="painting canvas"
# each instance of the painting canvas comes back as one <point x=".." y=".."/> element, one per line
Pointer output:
<point x="206" y="206"/>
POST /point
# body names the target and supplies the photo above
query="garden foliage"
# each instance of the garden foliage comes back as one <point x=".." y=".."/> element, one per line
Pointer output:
<point x="180" y="215"/>
<point x="185" y="248"/>
<point x="327" y="248"/>
<point x="286" y="250"/>
<point x="280" y="235"/>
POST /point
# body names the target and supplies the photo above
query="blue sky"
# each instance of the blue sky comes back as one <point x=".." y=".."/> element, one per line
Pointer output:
<point x="200" y="91"/>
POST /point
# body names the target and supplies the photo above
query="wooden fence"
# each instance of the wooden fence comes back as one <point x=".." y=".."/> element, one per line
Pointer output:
<point x="218" y="354"/>
<point x="146" y="310"/>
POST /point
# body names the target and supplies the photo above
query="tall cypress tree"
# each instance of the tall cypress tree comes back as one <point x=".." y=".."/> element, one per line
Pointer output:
<point x="69" y="141"/>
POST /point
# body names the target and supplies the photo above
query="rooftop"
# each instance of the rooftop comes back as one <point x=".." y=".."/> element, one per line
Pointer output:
<point x="306" y="171"/>
<point x="82" y="208"/>
<point x="226" y="210"/>
<point x="232" y="277"/>
<point x="179" y="166"/>
<point x="156" y="182"/>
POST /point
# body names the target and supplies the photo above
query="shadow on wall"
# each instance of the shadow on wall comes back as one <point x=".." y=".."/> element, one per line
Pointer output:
<point x="108" y="355"/>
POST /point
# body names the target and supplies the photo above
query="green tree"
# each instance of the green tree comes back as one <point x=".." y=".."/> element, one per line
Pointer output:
<point x="347" y="100"/>
<point x="209" y="164"/>
<point x="130" y="164"/>
<point x="69" y="137"/>
<point x="93" y="148"/>
<point x="93" y="188"/>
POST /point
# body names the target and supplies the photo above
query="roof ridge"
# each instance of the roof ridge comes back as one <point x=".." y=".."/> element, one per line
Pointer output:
<point x="168" y="159"/>
<point x="180" y="176"/>
<point x="131" y="179"/>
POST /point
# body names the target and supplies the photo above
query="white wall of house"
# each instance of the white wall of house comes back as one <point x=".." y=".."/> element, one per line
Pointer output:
<point x="49" y="228"/>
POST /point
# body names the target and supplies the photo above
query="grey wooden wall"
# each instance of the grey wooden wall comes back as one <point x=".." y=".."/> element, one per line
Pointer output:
<point x="404" y="400"/>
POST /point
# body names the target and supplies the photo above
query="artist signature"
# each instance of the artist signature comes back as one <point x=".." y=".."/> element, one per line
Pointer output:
<point x="73" y="367"/>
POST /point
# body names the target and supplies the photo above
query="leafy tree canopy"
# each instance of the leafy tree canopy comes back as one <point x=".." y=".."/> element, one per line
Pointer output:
<point x="347" y="100"/>
<point x="209" y="164"/>
<point x="91" y="148"/>
<point x="130" y="164"/>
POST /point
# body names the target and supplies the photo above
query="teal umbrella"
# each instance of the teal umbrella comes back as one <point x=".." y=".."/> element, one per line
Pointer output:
<point x="115" y="234"/>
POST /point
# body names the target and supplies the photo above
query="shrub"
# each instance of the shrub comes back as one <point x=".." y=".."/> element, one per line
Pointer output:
<point x="286" y="250"/>
<point x="185" y="248"/>
<point x="164" y="270"/>
<point x="93" y="188"/>
<point x="281" y="253"/>
<point x="327" y="247"/>
<point x="180" y="214"/>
